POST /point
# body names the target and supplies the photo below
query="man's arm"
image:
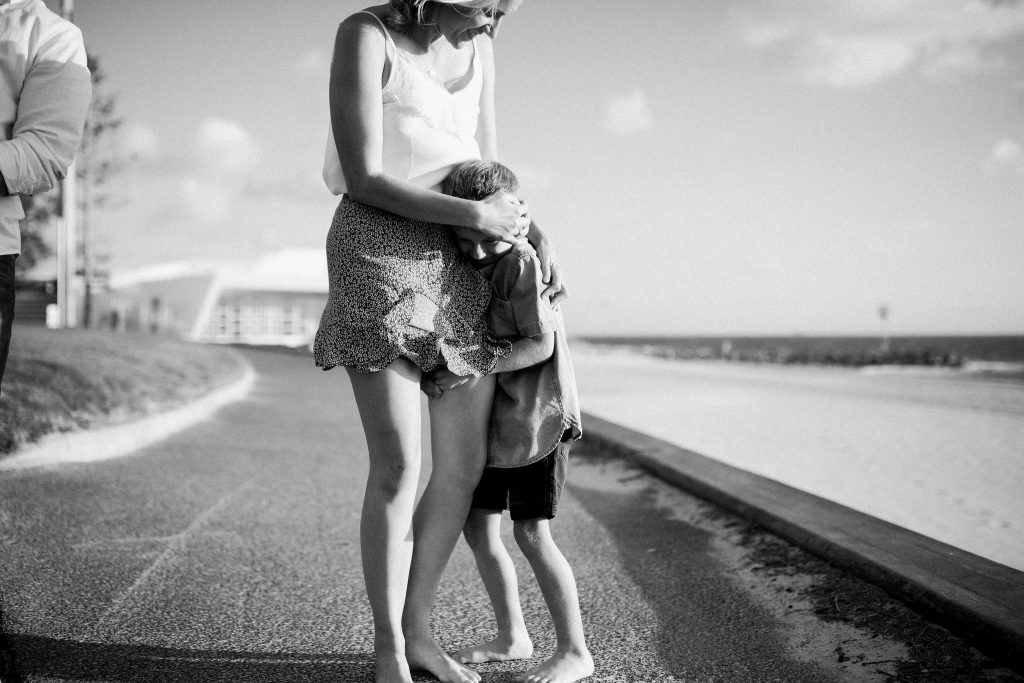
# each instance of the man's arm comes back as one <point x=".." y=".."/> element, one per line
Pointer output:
<point x="51" y="117"/>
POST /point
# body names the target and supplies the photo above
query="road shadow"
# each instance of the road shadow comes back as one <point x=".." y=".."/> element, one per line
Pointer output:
<point x="44" y="657"/>
<point x="708" y="627"/>
<point x="50" y="658"/>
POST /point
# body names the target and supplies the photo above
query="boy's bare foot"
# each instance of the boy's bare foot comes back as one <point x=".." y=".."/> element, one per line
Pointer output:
<point x="498" y="650"/>
<point x="427" y="655"/>
<point x="563" y="667"/>
<point x="392" y="669"/>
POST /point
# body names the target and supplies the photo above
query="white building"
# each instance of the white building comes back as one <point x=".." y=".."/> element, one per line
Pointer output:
<point x="277" y="300"/>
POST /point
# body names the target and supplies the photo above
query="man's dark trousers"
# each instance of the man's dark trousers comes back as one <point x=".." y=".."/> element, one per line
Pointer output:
<point x="6" y="307"/>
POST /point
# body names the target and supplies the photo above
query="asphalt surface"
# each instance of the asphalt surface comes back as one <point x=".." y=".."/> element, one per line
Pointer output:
<point x="229" y="552"/>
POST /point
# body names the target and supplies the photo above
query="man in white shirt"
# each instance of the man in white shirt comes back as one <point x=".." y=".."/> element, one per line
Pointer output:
<point x="45" y="90"/>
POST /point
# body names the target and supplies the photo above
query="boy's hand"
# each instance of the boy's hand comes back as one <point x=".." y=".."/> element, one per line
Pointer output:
<point x="429" y="387"/>
<point x="551" y="272"/>
<point x="555" y="289"/>
<point x="445" y="379"/>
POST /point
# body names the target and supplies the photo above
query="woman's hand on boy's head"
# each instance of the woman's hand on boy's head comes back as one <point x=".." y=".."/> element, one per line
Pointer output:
<point x="504" y="218"/>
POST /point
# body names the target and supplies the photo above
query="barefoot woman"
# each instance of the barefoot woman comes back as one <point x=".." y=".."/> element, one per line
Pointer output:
<point x="411" y="95"/>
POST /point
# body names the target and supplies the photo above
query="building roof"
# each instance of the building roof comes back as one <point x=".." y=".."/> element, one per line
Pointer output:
<point x="286" y="270"/>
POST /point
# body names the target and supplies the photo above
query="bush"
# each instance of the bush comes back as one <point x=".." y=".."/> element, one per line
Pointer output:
<point x="59" y="381"/>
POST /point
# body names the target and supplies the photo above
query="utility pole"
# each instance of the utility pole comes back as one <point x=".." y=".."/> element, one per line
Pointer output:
<point x="67" y="242"/>
<point x="883" y="315"/>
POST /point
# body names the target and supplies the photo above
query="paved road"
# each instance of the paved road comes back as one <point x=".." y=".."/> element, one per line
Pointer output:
<point x="230" y="553"/>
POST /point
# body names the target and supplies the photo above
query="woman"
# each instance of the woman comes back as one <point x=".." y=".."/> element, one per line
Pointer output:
<point x="411" y="95"/>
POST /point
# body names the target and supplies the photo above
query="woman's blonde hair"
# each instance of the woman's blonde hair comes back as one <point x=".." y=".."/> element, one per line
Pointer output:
<point x="405" y="13"/>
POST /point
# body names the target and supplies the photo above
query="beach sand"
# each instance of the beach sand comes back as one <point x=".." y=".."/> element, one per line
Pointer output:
<point x="934" y="451"/>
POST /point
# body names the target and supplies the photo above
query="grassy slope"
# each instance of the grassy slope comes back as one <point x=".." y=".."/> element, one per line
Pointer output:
<point x="59" y="381"/>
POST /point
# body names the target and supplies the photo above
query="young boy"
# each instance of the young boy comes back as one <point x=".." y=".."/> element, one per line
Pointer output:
<point x="534" y="420"/>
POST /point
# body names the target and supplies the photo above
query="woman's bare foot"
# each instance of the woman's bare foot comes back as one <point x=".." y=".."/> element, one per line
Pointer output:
<point x="500" y="649"/>
<point x="392" y="668"/>
<point x="563" y="667"/>
<point x="427" y="655"/>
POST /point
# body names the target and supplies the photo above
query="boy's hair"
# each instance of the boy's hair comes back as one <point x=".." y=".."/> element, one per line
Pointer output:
<point x="479" y="180"/>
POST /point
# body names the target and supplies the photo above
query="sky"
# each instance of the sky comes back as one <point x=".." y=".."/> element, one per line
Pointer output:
<point x="703" y="167"/>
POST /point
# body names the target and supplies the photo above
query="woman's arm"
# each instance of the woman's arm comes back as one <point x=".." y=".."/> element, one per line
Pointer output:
<point x="357" y="124"/>
<point x="486" y="130"/>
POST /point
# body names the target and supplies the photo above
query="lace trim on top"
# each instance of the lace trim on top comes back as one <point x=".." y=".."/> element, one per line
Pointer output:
<point x="414" y="91"/>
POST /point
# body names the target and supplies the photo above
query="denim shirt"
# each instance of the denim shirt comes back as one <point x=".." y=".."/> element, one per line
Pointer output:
<point x="537" y="407"/>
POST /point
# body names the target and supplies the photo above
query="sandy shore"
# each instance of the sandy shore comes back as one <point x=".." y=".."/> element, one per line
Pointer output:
<point x="934" y="452"/>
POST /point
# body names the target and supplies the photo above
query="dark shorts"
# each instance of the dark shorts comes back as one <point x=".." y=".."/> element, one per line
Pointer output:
<point x="6" y="307"/>
<point x="527" y="492"/>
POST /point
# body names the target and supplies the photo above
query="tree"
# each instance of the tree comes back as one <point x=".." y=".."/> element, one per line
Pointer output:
<point x="98" y="160"/>
<point x="40" y="211"/>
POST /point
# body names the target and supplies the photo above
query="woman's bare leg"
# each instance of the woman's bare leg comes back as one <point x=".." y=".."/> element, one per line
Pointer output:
<point x="389" y="408"/>
<point x="458" y="442"/>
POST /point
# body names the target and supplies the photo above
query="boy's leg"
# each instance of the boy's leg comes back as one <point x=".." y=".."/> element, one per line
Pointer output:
<point x="571" y="660"/>
<point x="533" y="501"/>
<point x="483" y="534"/>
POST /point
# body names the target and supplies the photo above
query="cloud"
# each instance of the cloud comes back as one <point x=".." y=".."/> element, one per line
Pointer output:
<point x="856" y="43"/>
<point x="767" y="34"/>
<point x="215" y="175"/>
<point x="959" y="61"/>
<point x="314" y="62"/>
<point x="629" y="114"/>
<point x="1005" y="154"/>
<point x="202" y="201"/>
<point x="224" y="151"/>
<point x="853" y="61"/>
<point x="213" y="196"/>
<point x="139" y="142"/>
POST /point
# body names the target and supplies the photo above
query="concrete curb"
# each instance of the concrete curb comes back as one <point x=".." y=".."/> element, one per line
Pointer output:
<point x="979" y="600"/>
<point x="105" y="443"/>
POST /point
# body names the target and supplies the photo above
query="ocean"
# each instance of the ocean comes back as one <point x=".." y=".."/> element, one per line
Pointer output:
<point x="853" y="350"/>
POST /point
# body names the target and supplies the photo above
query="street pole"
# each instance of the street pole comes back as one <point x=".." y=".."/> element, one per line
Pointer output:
<point x="67" y="242"/>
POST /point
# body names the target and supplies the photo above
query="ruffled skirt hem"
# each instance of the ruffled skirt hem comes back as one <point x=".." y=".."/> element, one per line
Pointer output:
<point x="399" y="288"/>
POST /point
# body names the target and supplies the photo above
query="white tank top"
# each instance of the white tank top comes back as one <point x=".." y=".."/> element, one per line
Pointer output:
<point x="427" y="128"/>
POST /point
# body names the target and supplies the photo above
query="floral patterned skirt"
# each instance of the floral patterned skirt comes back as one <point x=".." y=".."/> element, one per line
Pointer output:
<point x="399" y="287"/>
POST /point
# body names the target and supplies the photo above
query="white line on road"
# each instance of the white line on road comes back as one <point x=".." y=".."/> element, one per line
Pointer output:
<point x="175" y="545"/>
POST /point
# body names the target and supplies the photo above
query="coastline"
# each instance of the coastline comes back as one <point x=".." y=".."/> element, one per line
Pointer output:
<point x="978" y="599"/>
<point x="931" y="450"/>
